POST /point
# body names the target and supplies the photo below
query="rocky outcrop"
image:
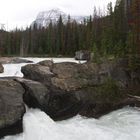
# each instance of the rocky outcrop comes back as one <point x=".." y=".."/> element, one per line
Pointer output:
<point x="13" y="60"/>
<point x="103" y="99"/>
<point x="83" y="55"/>
<point x="65" y="76"/>
<point x="1" y="68"/>
<point x="89" y="89"/>
<point x="72" y="76"/>
<point x="12" y="107"/>
<point x="20" y="60"/>
<point x="38" y="73"/>
<point x="47" y="63"/>
<point x="35" y="92"/>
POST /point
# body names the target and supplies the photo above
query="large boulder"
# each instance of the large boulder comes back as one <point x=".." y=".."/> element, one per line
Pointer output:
<point x="12" y="107"/>
<point x="38" y="73"/>
<point x="57" y="104"/>
<point x="65" y="76"/>
<point x="72" y="76"/>
<point x="1" y="68"/>
<point x="47" y="63"/>
<point x="36" y="94"/>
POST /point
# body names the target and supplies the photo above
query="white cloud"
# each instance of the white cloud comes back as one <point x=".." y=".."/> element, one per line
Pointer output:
<point x="23" y="12"/>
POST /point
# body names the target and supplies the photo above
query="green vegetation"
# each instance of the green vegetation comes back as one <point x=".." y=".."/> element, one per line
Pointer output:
<point x="107" y="92"/>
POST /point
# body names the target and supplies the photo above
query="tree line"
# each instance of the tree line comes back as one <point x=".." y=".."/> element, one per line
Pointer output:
<point x="115" y="33"/>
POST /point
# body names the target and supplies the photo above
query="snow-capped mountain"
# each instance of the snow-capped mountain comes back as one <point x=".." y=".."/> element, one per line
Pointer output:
<point x="44" y="18"/>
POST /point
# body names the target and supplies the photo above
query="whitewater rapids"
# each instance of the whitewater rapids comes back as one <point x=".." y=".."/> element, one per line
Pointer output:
<point x="123" y="124"/>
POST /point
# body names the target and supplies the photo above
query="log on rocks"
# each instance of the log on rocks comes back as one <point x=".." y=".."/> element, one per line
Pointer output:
<point x="135" y="97"/>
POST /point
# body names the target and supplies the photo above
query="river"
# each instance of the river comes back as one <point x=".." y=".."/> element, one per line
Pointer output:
<point x="123" y="124"/>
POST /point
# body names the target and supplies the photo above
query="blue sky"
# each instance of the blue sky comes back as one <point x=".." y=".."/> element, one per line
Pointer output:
<point x="22" y="12"/>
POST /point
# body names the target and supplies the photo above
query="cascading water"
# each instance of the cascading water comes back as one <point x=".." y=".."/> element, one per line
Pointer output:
<point x="123" y="124"/>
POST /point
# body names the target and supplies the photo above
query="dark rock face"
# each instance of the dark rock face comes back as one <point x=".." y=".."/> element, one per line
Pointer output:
<point x="12" y="107"/>
<point x="34" y="91"/>
<point x="89" y="89"/>
<point x="1" y="68"/>
<point x="58" y="104"/>
<point x="62" y="105"/>
<point x="83" y="55"/>
<point x="102" y="100"/>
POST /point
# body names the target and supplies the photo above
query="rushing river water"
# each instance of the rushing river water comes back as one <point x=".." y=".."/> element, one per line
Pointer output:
<point x="123" y="124"/>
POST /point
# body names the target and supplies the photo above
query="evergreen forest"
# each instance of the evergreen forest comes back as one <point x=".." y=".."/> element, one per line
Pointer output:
<point x="115" y="32"/>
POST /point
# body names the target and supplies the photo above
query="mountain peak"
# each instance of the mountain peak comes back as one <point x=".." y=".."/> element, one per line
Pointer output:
<point x="44" y="18"/>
